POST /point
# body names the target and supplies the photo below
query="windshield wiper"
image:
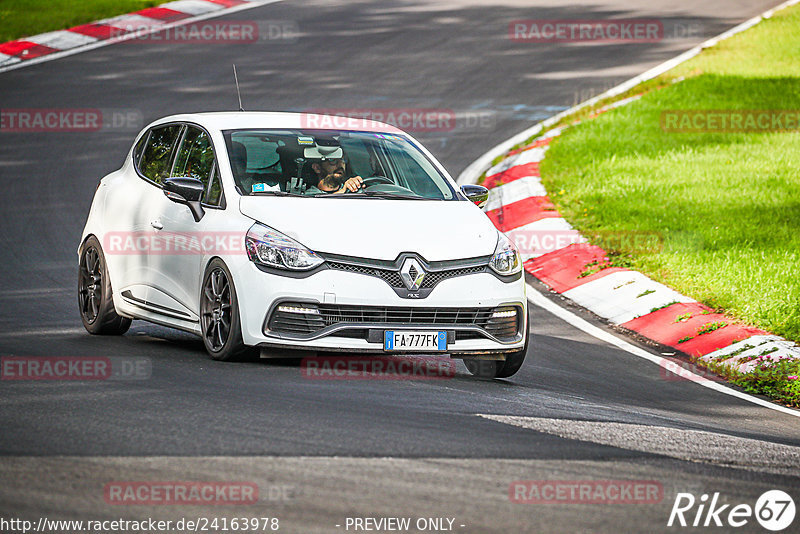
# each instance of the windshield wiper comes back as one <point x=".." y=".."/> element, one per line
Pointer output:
<point x="384" y="194"/>
<point x="276" y="194"/>
<point x="373" y="194"/>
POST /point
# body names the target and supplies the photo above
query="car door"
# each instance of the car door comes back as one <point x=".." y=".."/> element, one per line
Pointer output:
<point x="129" y="214"/>
<point x="186" y="243"/>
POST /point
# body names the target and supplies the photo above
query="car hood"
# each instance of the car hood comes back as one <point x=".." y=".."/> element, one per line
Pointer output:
<point x="378" y="228"/>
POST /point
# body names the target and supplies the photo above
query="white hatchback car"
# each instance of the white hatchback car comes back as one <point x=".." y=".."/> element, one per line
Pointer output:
<point x="254" y="230"/>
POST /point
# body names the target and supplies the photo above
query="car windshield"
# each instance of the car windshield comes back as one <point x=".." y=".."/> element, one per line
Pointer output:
<point x="318" y="163"/>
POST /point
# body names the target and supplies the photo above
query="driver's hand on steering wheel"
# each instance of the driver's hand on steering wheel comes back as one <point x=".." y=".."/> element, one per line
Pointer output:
<point x="352" y="185"/>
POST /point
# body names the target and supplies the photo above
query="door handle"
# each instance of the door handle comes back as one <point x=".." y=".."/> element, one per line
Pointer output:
<point x="156" y="224"/>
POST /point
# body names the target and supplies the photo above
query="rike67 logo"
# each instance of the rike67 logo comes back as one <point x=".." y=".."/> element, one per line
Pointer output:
<point x="774" y="510"/>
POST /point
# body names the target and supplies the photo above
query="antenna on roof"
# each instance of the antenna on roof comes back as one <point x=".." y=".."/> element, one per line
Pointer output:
<point x="238" y="93"/>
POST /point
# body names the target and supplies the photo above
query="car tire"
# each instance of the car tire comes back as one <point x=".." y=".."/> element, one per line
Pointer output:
<point x="95" y="296"/>
<point x="513" y="361"/>
<point x="498" y="368"/>
<point x="220" y="324"/>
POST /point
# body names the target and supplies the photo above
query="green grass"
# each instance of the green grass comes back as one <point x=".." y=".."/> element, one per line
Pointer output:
<point x="726" y="204"/>
<point x="711" y="327"/>
<point x="780" y="381"/>
<point x="21" y="18"/>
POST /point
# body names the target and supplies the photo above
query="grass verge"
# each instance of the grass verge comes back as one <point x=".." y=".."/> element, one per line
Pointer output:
<point x="22" y="18"/>
<point x="725" y="204"/>
<point x="780" y="380"/>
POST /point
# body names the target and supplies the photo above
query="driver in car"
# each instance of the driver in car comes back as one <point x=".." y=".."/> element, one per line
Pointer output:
<point x="332" y="178"/>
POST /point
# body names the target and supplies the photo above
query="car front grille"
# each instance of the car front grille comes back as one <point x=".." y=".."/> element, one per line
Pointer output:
<point x="333" y="314"/>
<point x="305" y="320"/>
<point x="392" y="277"/>
<point x="434" y="277"/>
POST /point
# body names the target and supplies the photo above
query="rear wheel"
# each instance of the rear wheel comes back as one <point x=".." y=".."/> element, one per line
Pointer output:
<point x="498" y="368"/>
<point x="95" y="301"/>
<point x="219" y="316"/>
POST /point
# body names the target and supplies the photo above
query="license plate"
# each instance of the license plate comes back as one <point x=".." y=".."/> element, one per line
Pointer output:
<point x="414" y="340"/>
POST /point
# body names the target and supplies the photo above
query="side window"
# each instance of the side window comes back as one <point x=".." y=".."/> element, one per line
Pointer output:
<point x="157" y="156"/>
<point x="214" y="190"/>
<point x="137" y="152"/>
<point x="195" y="157"/>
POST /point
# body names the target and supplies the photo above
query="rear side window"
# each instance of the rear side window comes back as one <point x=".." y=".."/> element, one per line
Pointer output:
<point x="195" y="159"/>
<point x="156" y="158"/>
<point x="137" y="153"/>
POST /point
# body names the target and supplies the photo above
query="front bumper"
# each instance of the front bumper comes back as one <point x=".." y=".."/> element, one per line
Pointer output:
<point x="260" y="294"/>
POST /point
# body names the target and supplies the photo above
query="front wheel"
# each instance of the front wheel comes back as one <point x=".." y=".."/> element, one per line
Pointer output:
<point x="95" y="300"/>
<point x="219" y="316"/>
<point x="499" y="368"/>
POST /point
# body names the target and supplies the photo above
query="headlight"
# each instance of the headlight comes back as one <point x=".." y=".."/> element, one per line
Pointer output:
<point x="506" y="259"/>
<point x="269" y="247"/>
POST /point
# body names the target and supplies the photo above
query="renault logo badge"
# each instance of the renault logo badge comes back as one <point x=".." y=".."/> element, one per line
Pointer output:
<point x="412" y="274"/>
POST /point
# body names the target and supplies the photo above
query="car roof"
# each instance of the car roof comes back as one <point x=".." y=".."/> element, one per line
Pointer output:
<point x="236" y="120"/>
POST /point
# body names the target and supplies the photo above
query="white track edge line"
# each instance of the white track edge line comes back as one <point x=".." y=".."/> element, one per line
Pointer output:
<point x="470" y="174"/>
<point x="136" y="34"/>
<point x="543" y="302"/>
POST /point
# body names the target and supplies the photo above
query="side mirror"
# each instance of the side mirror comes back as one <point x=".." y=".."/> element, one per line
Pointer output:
<point x="477" y="194"/>
<point x="186" y="191"/>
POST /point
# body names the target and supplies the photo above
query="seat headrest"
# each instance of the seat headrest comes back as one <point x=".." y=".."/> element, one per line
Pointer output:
<point x="238" y="158"/>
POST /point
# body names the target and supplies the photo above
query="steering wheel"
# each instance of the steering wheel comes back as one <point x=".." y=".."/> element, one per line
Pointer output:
<point x="375" y="180"/>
